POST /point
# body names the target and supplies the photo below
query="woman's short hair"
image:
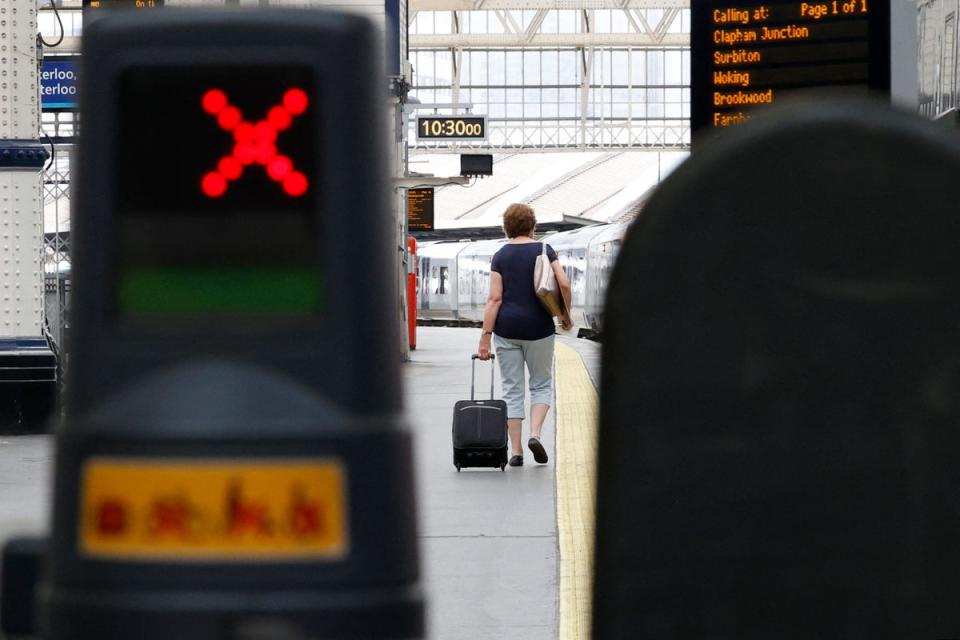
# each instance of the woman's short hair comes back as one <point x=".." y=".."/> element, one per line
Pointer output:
<point x="518" y="220"/>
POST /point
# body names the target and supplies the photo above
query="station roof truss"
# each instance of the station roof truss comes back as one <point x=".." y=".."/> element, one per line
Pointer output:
<point x="652" y="23"/>
<point x="624" y="98"/>
<point x="477" y="5"/>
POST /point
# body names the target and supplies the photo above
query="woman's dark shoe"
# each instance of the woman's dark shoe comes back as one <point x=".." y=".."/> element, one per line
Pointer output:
<point x="516" y="461"/>
<point x="539" y="453"/>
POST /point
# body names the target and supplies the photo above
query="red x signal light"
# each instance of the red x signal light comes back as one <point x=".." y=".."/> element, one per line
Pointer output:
<point x="255" y="143"/>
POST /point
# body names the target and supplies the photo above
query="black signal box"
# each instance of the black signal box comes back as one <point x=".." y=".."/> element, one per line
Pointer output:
<point x="476" y="164"/>
<point x="232" y="461"/>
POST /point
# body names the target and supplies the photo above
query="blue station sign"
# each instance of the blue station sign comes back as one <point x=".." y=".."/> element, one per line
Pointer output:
<point x="58" y="83"/>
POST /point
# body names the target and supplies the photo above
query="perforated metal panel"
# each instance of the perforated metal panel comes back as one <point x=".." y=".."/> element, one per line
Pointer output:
<point x="19" y="95"/>
<point x="21" y="274"/>
<point x="21" y="245"/>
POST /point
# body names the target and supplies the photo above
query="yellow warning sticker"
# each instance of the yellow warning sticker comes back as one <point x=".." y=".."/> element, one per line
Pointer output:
<point x="213" y="509"/>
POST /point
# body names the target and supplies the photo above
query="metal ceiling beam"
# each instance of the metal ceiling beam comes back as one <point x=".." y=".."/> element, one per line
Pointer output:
<point x="666" y="21"/>
<point x="501" y="16"/>
<point x="676" y="133"/>
<point x="69" y="45"/>
<point x="514" y="25"/>
<point x="633" y="22"/>
<point x="469" y="5"/>
<point x="548" y="40"/>
<point x="535" y="24"/>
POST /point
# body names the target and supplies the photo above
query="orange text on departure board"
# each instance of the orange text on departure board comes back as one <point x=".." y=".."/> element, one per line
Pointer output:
<point x="758" y="26"/>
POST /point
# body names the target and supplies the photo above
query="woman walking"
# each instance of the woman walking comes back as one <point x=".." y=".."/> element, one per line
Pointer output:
<point x="522" y="329"/>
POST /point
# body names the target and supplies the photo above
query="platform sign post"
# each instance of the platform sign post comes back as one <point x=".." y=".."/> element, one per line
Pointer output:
<point x="233" y="461"/>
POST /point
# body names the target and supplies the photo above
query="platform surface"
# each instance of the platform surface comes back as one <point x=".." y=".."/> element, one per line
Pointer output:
<point x="490" y="541"/>
<point x="25" y="466"/>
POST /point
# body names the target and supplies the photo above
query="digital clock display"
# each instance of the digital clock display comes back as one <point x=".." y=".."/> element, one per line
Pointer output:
<point x="452" y="128"/>
<point x="217" y="191"/>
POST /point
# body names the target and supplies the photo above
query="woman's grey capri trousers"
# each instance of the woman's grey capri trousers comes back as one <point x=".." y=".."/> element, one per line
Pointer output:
<point x="538" y="356"/>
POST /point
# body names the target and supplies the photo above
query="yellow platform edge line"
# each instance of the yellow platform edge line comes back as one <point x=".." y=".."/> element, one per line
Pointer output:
<point x="576" y="447"/>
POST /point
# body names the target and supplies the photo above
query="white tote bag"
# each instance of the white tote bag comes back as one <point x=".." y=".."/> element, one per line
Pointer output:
<point x="545" y="284"/>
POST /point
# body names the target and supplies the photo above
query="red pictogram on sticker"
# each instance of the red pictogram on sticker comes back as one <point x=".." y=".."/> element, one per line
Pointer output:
<point x="111" y="517"/>
<point x="245" y="516"/>
<point x="255" y="143"/>
<point x="307" y="518"/>
<point x="170" y="516"/>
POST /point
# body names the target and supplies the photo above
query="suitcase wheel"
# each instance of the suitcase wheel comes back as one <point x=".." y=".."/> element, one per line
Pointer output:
<point x="458" y="468"/>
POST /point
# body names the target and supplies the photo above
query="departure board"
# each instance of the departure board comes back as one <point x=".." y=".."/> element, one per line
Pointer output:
<point x="122" y="4"/>
<point x="420" y="209"/>
<point x="750" y="54"/>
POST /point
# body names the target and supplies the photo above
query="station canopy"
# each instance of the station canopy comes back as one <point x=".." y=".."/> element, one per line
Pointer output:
<point x="599" y="186"/>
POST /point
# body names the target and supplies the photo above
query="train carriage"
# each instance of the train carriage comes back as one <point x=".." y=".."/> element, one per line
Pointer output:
<point x="572" y="249"/>
<point x="601" y="256"/>
<point x="473" y="277"/>
<point x="437" y="280"/>
<point x="453" y="278"/>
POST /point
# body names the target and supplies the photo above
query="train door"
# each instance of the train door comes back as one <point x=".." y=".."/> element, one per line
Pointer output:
<point x="442" y="281"/>
<point x="948" y="68"/>
<point x="928" y="55"/>
<point x="423" y="282"/>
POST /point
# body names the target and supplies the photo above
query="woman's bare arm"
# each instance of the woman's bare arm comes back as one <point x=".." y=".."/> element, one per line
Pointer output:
<point x="490" y="311"/>
<point x="566" y="292"/>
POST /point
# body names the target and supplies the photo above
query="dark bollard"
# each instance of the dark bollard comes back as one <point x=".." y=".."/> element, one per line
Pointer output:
<point x="781" y="389"/>
<point x="233" y="461"/>
<point x="21" y="565"/>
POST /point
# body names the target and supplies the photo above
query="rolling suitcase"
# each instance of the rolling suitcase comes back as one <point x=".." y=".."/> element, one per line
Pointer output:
<point x="480" y="428"/>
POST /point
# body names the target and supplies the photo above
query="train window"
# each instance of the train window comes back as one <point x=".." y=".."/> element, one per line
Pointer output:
<point x="442" y="288"/>
<point x="949" y="69"/>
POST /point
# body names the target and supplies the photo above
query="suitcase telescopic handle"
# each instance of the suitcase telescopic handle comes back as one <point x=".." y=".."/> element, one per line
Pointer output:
<point x="473" y="372"/>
